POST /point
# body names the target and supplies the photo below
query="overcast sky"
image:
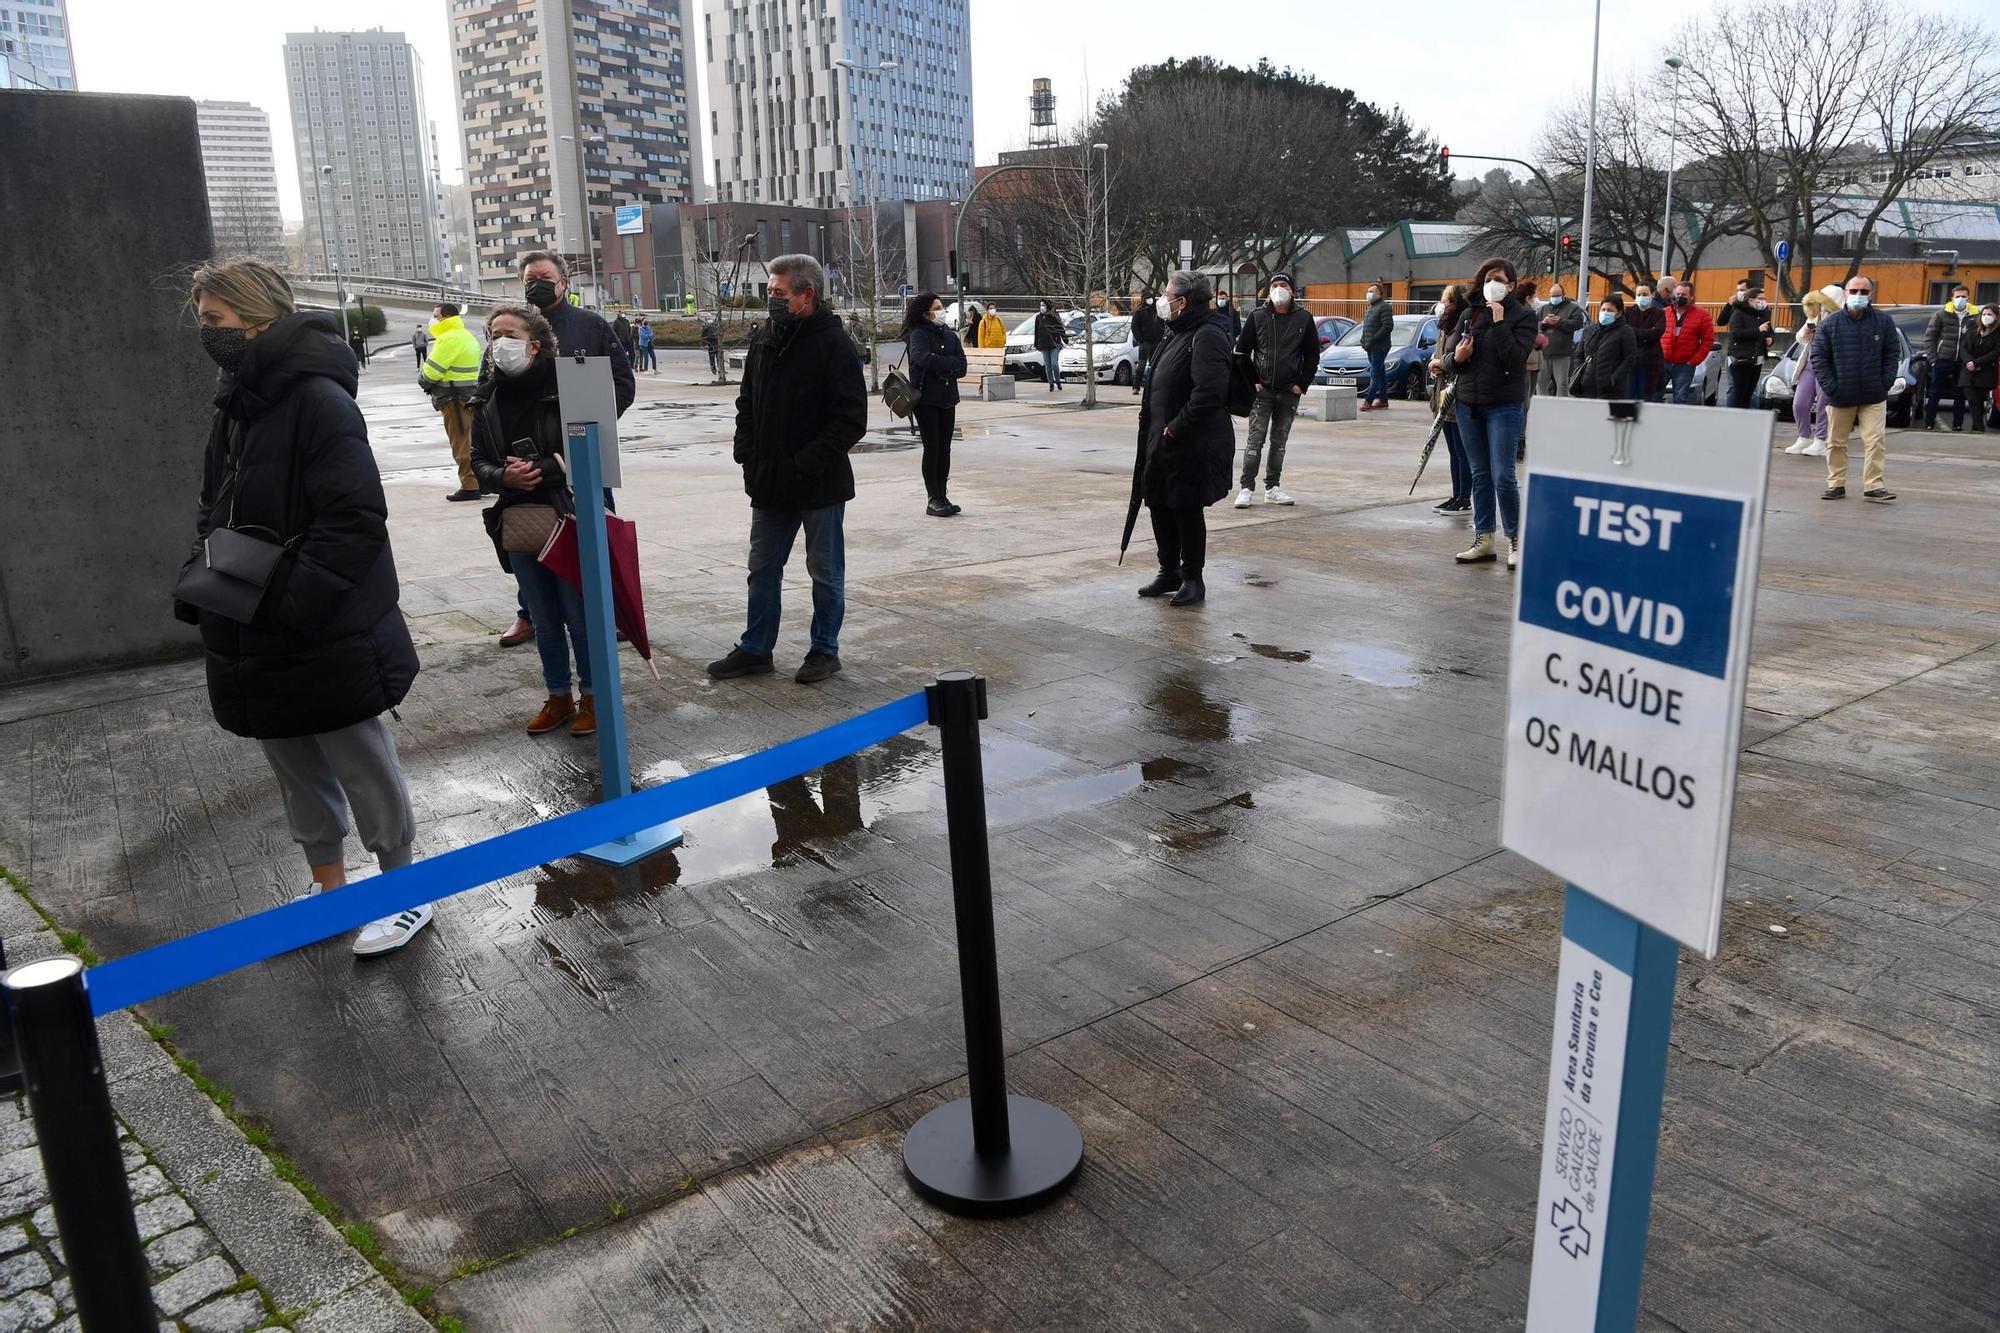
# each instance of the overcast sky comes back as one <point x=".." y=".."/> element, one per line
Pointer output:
<point x="1417" y="55"/>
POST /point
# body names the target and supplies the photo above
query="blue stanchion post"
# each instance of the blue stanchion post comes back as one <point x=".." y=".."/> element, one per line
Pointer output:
<point x="593" y="551"/>
<point x="1614" y="1013"/>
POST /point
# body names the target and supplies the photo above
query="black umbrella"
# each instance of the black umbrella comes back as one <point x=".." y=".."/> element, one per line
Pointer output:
<point x="1138" y="483"/>
<point x="1446" y="397"/>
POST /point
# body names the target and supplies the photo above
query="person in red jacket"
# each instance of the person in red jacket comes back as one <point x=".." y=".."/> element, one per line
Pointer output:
<point x="1685" y="342"/>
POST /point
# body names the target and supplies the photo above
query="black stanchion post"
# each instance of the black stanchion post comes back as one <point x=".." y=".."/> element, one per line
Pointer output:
<point x="989" y="1153"/>
<point x="10" y="1059"/>
<point x="64" y="1071"/>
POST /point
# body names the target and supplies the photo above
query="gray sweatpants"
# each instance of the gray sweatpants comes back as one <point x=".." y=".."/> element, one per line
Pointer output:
<point x="322" y="776"/>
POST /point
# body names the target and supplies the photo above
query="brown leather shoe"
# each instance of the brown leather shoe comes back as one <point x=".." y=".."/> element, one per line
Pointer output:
<point x="520" y="634"/>
<point x="586" y="717"/>
<point x="559" y="709"/>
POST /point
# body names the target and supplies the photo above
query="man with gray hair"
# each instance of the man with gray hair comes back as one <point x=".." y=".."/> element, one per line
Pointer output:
<point x="800" y="408"/>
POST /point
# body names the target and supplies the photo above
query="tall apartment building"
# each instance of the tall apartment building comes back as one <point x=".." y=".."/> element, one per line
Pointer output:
<point x="570" y="108"/>
<point x="789" y="126"/>
<point x="242" y="180"/>
<point x="34" y="45"/>
<point x="358" y="107"/>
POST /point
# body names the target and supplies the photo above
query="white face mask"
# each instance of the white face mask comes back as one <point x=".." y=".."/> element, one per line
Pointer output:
<point x="510" y="355"/>
<point x="1555" y="298"/>
<point x="1958" y="303"/>
<point x="937" y="316"/>
<point x="1164" y="307"/>
<point x="1496" y="291"/>
<point x="1281" y="297"/>
<point x="1438" y="309"/>
<point x="1988" y="319"/>
<point x="1374" y="296"/>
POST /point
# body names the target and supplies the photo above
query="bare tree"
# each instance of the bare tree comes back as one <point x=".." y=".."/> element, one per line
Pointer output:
<point x="242" y="223"/>
<point x="1817" y="114"/>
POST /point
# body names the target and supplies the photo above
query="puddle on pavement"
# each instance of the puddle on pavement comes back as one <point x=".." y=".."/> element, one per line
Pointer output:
<point x="1275" y="653"/>
<point x="1192" y="715"/>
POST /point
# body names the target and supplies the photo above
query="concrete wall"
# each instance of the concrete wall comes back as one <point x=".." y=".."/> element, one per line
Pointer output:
<point x="104" y="390"/>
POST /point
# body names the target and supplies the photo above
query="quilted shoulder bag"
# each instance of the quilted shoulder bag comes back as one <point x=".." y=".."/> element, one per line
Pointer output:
<point x="231" y="572"/>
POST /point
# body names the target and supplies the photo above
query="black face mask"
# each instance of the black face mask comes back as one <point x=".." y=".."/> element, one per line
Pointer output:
<point x="225" y="347"/>
<point x="780" y="308"/>
<point x="541" y="293"/>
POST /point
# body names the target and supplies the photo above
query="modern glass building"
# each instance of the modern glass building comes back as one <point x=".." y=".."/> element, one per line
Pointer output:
<point x="790" y="125"/>
<point x="34" y="45"/>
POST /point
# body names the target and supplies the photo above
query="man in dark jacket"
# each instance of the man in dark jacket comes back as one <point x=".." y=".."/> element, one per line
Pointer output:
<point x="621" y="329"/>
<point x="800" y="408"/>
<point x="1647" y="318"/>
<point x="1282" y="342"/>
<point x="1186" y="437"/>
<point x="1855" y="356"/>
<point x="1147" y="330"/>
<point x="1377" y="328"/>
<point x="1562" y="319"/>
<point x="1949" y="328"/>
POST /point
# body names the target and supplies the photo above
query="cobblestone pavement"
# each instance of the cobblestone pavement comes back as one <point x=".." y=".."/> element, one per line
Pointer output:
<point x="196" y="1285"/>
<point x="231" y="1247"/>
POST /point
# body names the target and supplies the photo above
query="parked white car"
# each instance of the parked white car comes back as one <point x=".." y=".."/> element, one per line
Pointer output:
<point x="1117" y="355"/>
<point x="1021" y="359"/>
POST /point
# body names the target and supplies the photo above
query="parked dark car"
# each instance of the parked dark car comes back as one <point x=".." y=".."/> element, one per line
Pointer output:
<point x="1411" y="341"/>
<point x="1775" y="385"/>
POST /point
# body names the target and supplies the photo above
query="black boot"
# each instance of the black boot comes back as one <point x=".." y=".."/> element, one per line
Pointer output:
<point x="1191" y="593"/>
<point x="1164" y="582"/>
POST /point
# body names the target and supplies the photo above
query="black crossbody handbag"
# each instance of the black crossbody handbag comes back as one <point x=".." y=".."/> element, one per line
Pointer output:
<point x="231" y="572"/>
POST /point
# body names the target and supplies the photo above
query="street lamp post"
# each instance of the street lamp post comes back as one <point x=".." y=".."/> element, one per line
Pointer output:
<point x="1673" y="148"/>
<point x="583" y="196"/>
<point x="340" y="263"/>
<point x="1105" y="149"/>
<point x="1589" y="160"/>
<point x="874" y="235"/>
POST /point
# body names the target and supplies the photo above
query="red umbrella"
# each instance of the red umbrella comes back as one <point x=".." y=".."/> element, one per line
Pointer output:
<point x="560" y="555"/>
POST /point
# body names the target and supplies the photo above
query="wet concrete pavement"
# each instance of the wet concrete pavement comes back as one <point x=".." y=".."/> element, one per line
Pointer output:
<point x="1254" y="929"/>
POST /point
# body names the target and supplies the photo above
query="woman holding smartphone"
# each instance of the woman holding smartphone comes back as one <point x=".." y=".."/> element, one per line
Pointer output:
<point x="517" y="451"/>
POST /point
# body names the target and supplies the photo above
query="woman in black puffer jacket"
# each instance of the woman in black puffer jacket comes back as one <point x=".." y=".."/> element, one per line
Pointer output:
<point x="1186" y="439"/>
<point x="1610" y="351"/>
<point x="326" y="652"/>
<point x="1490" y="347"/>
<point x="937" y="363"/>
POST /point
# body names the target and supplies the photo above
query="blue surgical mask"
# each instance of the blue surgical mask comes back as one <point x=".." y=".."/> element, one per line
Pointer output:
<point x="1645" y="303"/>
<point x="1857" y="300"/>
<point x="1605" y="317"/>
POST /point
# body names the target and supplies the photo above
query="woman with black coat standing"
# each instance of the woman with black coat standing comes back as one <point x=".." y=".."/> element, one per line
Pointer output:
<point x="937" y="363"/>
<point x="1609" y="354"/>
<point x="1491" y="350"/>
<point x="1451" y="309"/>
<point x="1186" y="438"/>
<point x="1050" y="339"/>
<point x="1981" y="371"/>
<point x="309" y="673"/>
<point x="517" y="452"/>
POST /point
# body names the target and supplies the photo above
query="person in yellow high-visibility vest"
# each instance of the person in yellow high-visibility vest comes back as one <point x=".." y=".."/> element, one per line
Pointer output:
<point x="449" y="375"/>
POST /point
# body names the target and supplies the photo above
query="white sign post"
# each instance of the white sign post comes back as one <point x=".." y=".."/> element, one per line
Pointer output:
<point x="1641" y="531"/>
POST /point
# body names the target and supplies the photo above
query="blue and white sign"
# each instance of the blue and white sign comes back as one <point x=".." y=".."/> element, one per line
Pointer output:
<point x="1784" y="251"/>
<point x="631" y="219"/>
<point x="1631" y="643"/>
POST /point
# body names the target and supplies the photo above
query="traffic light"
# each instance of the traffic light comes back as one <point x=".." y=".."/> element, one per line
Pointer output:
<point x="1444" y="161"/>
<point x="1568" y="245"/>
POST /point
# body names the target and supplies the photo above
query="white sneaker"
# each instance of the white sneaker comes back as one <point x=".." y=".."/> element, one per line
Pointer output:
<point x="1275" y="495"/>
<point x="391" y="932"/>
<point x="1513" y="552"/>
<point x="1817" y="449"/>
<point x="1243" y="498"/>
<point x="310" y="891"/>
<point x="1800" y="445"/>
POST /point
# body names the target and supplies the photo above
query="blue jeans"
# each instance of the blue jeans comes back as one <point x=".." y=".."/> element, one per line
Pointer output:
<point x="556" y="609"/>
<point x="1378" y="377"/>
<point x="1052" y="366"/>
<point x="772" y="532"/>
<point x="1461" y="467"/>
<point x="1682" y="379"/>
<point x="1635" y="386"/>
<point x="1491" y="432"/>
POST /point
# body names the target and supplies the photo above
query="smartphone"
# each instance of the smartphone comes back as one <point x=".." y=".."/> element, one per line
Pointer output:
<point x="525" y="448"/>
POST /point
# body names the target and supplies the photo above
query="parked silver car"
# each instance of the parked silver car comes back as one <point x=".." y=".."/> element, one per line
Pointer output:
<point x="1111" y="343"/>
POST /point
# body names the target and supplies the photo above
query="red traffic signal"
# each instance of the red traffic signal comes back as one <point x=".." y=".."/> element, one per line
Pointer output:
<point x="1567" y="243"/>
<point x="1444" y="160"/>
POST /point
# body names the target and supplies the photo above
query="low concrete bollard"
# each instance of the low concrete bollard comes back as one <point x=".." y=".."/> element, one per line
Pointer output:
<point x="1329" y="402"/>
<point x="1000" y="388"/>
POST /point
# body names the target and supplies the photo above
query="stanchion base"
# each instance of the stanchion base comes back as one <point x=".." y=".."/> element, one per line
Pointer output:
<point x="640" y="845"/>
<point x="939" y="1159"/>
